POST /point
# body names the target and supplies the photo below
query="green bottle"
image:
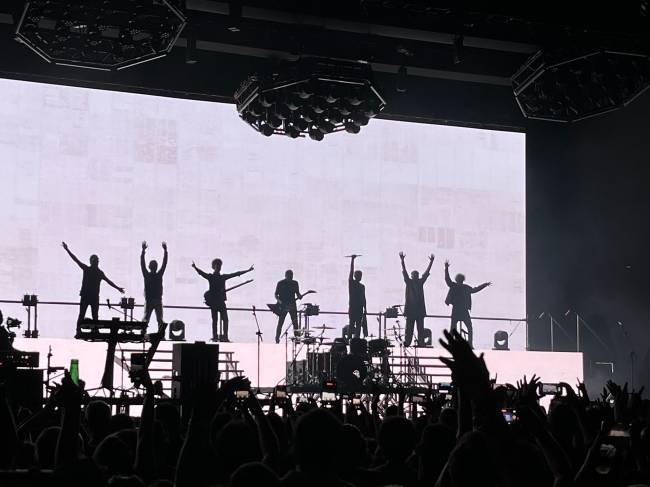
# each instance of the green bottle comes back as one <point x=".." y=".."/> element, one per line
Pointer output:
<point x="74" y="370"/>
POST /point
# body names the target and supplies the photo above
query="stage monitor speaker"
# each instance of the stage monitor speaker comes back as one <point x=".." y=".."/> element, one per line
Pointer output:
<point x="193" y="365"/>
<point x="501" y="340"/>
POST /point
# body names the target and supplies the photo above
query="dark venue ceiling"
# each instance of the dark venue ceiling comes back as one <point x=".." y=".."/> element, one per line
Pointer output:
<point x="470" y="48"/>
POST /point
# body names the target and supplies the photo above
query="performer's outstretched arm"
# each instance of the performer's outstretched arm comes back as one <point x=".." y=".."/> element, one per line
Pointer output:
<point x="351" y="277"/>
<point x="143" y="267"/>
<point x="164" y="264"/>
<point x="112" y="284"/>
<point x="238" y="273"/>
<point x="72" y="256"/>
<point x="447" y="278"/>
<point x="425" y="276"/>
<point x="204" y="275"/>
<point x="402" y="256"/>
<point x="481" y="287"/>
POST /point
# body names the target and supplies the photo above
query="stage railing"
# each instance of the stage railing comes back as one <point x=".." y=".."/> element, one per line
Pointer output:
<point x="242" y="329"/>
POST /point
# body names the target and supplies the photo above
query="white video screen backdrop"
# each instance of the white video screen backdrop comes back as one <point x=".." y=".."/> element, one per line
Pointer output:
<point x="104" y="171"/>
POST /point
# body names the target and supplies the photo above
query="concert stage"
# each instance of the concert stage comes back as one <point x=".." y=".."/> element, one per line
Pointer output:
<point x="421" y="364"/>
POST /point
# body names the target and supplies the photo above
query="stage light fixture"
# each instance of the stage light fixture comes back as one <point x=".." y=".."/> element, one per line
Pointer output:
<point x="99" y="34"/>
<point x="266" y="129"/>
<point x="315" y="95"/>
<point x="569" y="85"/>
<point x="352" y="127"/>
<point x="292" y="131"/>
<point x="316" y="134"/>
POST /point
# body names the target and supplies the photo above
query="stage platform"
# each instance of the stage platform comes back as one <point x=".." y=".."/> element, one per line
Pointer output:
<point x="506" y="366"/>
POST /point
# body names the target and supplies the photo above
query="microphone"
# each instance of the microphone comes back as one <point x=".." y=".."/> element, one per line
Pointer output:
<point x="353" y="255"/>
<point x="619" y="324"/>
<point x="541" y="315"/>
<point x="108" y="302"/>
<point x="567" y="312"/>
<point x="253" y="309"/>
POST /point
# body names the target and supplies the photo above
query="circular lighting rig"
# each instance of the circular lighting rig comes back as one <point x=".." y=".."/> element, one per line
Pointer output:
<point x="310" y="97"/>
<point x="568" y="86"/>
<point x="100" y="34"/>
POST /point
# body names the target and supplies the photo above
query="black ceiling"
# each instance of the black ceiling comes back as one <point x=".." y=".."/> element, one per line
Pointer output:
<point x="235" y="39"/>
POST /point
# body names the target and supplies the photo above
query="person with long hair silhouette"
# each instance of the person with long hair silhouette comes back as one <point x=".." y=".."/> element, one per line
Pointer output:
<point x="215" y="297"/>
<point x="90" y="284"/>
<point x="415" y="308"/>
<point x="460" y="298"/>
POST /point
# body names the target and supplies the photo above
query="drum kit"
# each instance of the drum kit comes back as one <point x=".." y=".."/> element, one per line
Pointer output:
<point x="366" y="362"/>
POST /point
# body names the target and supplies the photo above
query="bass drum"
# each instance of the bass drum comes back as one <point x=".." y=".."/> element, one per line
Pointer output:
<point x="351" y="371"/>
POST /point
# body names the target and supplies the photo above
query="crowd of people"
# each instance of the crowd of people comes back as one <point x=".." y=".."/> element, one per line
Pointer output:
<point x="225" y="438"/>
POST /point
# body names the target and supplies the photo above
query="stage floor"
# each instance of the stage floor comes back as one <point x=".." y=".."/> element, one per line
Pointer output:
<point x="506" y="366"/>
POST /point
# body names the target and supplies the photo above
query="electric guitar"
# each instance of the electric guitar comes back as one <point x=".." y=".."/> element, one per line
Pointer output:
<point x="211" y="299"/>
<point x="279" y="307"/>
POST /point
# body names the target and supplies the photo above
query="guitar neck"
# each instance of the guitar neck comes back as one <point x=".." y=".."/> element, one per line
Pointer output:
<point x="239" y="285"/>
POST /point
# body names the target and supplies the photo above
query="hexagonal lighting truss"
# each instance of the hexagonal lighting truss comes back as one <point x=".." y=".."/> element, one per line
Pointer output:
<point x="312" y="96"/>
<point x="100" y="34"/>
<point x="568" y="88"/>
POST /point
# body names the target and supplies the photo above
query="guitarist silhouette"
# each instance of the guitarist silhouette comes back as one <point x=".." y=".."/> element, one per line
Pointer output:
<point x="215" y="297"/>
<point x="286" y="292"/>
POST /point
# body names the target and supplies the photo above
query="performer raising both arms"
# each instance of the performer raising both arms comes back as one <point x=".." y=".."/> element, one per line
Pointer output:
<point x="357" y="305"/>
<point x="460" y="298"/>
<point x="153" y="288"/>
<point x="414" y="307"/>
<point x="215" y="297"/>
<point x="92" y="279"/>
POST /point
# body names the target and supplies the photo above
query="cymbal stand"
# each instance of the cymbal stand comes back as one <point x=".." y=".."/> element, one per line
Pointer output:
<point x="258" y="333"/>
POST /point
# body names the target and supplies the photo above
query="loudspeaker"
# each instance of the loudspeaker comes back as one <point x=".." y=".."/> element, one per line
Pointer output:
<point x="193" y="365"/>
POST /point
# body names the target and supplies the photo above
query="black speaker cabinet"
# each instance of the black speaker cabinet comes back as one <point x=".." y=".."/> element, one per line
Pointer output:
<point x="193" y="365"/>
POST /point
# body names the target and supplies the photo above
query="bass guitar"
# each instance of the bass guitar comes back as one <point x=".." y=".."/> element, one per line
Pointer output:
<point x="279" y="307"/>
<point x="211" y="300"/>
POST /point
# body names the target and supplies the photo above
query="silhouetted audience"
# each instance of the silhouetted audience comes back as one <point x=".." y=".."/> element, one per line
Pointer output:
<point x="485" y="436"/>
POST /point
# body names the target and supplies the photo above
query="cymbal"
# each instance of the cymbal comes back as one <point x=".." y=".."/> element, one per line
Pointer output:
<point x="323" y="327"/>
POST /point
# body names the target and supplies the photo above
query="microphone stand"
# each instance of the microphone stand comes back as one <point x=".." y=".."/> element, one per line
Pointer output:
<point x="632" y="352"/>
<point x="259" y="342"/>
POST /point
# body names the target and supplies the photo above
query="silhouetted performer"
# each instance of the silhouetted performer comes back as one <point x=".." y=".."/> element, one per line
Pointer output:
<point x="90" y="284"/>
<point x="415" y="308"/>
<point x="215" y="297"/>
<point x="286" y="292"/>
<point x="153" y="288"/>
<point x="357" y="307"/>
<point x="460" y="298"/>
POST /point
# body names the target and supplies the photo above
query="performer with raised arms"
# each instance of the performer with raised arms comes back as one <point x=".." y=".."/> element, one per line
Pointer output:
<point x="153" y="287"/>
<point x="415" y="307"/>
<point x="460" y="298"/>
<point x="357" y="303"/>
<point x="90" y="284"/>
<point x="215" y="297"/>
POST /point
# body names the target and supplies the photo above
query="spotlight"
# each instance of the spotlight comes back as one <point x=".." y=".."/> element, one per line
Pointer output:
<point x="360" y="119"/>
<point x="371" y="110"/>
<point x="316" y="134"/>
<point x="334" y="116"/>
<point x="266" y="129"/>
<point x="292" y="131"/>
<point x="267" y="100"/>
<point x="274" y="121"/>
<point x="292" y="104"/>
<point x="354" y="98"/>
<point x="326" y="127"/>
<point x="319" y="105"/>
<point x="300" y="124"/>
<point x="310" y="115"/>
<point x="177" y="331"/>
<point x="351" y="127"/>
<point x="282" y="112"/>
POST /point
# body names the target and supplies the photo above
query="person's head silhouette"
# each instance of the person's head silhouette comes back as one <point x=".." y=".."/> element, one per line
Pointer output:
<point x="288" y="274"/>
<point x="216" y="265"/>
<point x="460" y="278"/>
<point x="358" y="275"/>
<point x="396" y="439"/>
<point x="415" y="275"/>
<point x="94" y="261"/>
<point x="153" y="266"/>
<point x="317" y="456"/>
